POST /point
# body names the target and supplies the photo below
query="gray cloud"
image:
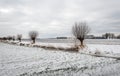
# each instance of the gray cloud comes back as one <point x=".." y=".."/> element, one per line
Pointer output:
<point x="53" y="18"/>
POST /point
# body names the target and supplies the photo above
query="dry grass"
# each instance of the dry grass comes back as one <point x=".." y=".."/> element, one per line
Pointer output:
<point x="74" y="49"/>
<point x="51" y="47"/>
<point x="61" y="48"/>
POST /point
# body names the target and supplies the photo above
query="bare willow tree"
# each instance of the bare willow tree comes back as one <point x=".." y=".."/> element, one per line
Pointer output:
<point x="80" y="30"/>
<point x="9" y="38"/>
<point x="13" y="38"/>
<point x="33" y="35"/>
<point x="19" y="37"/>
<point x="118" y="37"/>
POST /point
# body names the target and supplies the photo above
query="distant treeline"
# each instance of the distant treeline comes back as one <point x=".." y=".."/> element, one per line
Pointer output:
<point x="104" y="36"/>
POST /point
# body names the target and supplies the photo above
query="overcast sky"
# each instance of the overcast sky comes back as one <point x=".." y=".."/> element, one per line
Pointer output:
<point x="53" y="18"/>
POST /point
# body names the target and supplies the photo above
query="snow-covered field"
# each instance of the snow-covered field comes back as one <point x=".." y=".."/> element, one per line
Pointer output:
<point x="28" y="61"/>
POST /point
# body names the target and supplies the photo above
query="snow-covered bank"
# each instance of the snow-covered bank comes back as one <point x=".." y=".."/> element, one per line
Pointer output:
<point x="87" y="41"/>
<point x="89" y="48"/>
<point x="26" y="61"/>
<point x="46" y="46"/>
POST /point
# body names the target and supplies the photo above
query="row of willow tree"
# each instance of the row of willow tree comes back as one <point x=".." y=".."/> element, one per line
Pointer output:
<point x="79" y="30"/>
<point x="32" y="34"/>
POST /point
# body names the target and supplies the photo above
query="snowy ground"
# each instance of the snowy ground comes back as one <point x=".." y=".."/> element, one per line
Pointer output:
<point x="28" y="61"/>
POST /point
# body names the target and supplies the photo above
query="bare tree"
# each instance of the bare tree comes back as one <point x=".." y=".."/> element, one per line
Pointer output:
<point x="112" y="35"/>
<point x="4" y="38"/>
<point x="19" y="37"/>
<point x="13" y="38"/>
<point x="80" y="30"/>
<point x="118" y="37"/>
<point x="33" y="35"/>
<point x="107" y="35"/>
<point x="9" y="38"/>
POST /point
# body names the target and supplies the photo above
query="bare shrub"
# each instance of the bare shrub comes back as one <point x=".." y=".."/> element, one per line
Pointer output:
<point x="33" y="35"/>
<point x="22" y="44"/>
<point x="80" y="30"/>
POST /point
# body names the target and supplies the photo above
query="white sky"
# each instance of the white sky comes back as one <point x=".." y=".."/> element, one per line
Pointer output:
<point x="53" y="18"/>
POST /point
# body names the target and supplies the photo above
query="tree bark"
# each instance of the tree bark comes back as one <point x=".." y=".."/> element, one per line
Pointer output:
<point x="81" y="41"/>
